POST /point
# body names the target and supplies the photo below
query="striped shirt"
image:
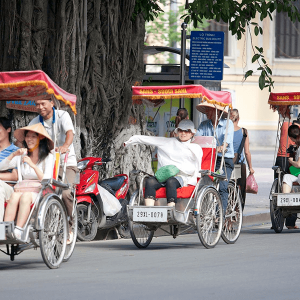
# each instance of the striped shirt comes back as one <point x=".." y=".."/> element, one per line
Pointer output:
<point x="7" y="151"/>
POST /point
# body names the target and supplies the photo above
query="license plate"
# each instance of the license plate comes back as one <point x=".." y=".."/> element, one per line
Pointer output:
<point x="288" y="200"/>
<point x="2" y="232"/>
<point x="150" y="214"/>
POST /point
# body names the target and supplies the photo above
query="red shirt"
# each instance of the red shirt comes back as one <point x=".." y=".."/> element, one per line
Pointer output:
<point x="284" y="141"/>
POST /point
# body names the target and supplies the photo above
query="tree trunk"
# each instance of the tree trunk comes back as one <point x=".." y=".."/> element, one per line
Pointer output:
<point x="90" y="48"/>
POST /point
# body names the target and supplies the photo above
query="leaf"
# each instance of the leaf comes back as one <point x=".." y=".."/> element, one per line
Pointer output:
<point x="255" y="57"/>
<point x="268" y="70"/>
<point x="261" y="81"/>
<point x="256" y="30"/>
<point x="248" y="73"/>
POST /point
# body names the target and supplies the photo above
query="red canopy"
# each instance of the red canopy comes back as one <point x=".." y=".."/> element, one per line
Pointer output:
<point x="159" y="93"/>
<point x="32" y="85"/>
<point x="292" y="98"/>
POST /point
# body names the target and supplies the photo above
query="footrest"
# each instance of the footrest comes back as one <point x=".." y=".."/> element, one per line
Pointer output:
<point x="6" y="230"/>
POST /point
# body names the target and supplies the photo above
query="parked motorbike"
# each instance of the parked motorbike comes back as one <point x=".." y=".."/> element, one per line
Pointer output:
<point x="90" y="210"/>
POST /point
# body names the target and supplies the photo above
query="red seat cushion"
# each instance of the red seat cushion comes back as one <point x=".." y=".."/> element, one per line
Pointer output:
<point x="184" y="192"/>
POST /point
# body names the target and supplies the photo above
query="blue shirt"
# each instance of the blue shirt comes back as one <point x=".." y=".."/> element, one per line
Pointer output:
<point x="206" y="129"/>
<point x="8" y="151"/>
<point x="237" y="139"/>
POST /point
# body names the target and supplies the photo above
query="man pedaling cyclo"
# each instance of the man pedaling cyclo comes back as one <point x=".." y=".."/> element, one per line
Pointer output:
<point x="52" y="118"/>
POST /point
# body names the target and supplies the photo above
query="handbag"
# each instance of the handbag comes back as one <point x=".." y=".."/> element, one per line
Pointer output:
<point x="251" y="185"/>
<point x="237" y="155"/>
<point x="164" y="173"/>
<point x="294" y="171"/>
<point x="28" y="186"/>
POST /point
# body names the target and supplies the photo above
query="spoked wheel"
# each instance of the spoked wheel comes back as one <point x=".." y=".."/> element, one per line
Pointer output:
<point x="141" y="235"/>
<point x="233" y="216"/>
<point x="87" y="226"/>
<point x="72" y="228"/>
<point x="277" y="218"/>
<point x="209" y="220"/>
<point x="53" y="237"/>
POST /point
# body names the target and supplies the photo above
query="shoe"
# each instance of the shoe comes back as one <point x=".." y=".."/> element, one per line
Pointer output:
<point x="18" y="232"/>
<point x="292" y="227"/>
<point x="70" y="239"/>
<point x="171" y="204"/>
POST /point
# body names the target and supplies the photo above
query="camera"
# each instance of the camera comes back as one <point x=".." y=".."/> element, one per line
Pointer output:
<point x="291" y="149"/>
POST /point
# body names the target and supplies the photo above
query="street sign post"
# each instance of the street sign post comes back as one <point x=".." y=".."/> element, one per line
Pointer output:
<point x="206" y="55"/>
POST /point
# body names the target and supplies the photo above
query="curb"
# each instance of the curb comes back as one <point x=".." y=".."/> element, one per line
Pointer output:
<point x="256" y="219"/>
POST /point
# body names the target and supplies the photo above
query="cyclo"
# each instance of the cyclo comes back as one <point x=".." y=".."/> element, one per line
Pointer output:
<point x="282" y="204"/>
<point x="47" y="226"/>
<point x="198" y="207"/>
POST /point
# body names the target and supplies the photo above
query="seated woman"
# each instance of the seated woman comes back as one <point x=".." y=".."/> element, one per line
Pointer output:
<point x="179" y="152"/>
<point x="34" y="162"/>
<point x="288" y="179"/>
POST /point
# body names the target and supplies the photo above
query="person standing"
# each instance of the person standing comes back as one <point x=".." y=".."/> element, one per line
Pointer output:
<point x="241" y="146"/>
<point x="59" y="125"/>
<point x="215" y="125"/>
<point x="6" y="149"/>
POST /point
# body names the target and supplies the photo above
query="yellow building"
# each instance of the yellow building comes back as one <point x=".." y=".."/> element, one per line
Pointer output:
<point x="281" y="44"/>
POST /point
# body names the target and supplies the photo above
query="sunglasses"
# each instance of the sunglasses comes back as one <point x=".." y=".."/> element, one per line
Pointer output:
<point x="186" y="131"/>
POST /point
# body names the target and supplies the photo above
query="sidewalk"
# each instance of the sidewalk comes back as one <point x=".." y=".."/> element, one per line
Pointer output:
<point x="257" y="208"/>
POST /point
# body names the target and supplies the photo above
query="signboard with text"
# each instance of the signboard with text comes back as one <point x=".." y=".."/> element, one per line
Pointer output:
<point x="206" y="55"/>
<point x="26" y="105"/>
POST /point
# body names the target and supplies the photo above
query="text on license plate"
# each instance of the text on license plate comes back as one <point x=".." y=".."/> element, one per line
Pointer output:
<point x="150" y="214"/>
<point x="288" y="200"/>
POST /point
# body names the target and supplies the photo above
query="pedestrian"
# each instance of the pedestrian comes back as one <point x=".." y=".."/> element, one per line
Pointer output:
<point x="241" y="151"/>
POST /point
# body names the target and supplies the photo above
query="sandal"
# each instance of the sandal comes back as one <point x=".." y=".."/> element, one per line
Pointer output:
<point x="292" y="227"/>
<point x="70" y="239"/>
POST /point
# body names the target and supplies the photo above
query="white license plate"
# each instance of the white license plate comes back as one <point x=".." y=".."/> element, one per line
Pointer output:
<point x="150" y="214"/>
<point x="288" y="200"/>
<point x="2" y="232"/>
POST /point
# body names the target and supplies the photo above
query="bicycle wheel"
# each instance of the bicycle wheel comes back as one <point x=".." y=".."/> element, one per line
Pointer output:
<point x="53" y="236"/>
<point x="87" y="228"/>
<point x="277" y="218"/>
<point x="233" y="216"/>
<point x="141" y="235"/>
<point x="74" y="230"/>
<point x="209" y="220"/>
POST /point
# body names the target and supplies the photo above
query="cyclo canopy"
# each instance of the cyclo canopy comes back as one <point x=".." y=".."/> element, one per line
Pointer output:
<point x="32" y="85"/>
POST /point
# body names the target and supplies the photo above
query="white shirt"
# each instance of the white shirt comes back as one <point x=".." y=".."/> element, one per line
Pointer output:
<point x="26" y="172"/>
<point x="186" y="156"/>
<point x="64" y="124"/>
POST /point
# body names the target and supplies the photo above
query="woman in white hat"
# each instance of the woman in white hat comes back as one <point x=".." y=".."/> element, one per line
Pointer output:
<point x="178" y="152"/>
<point x="34" y="162"/>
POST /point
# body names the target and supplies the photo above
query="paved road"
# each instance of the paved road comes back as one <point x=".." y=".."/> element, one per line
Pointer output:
<point x="258" y="266"/>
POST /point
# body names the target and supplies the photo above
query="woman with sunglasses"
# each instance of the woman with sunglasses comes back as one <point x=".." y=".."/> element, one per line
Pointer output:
<point x="177" y="151"/>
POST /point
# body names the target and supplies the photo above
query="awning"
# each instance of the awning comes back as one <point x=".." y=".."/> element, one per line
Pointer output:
<point x="32" y="85"/>
<point x="292" y="98"/>
<point x="159" y="93"/>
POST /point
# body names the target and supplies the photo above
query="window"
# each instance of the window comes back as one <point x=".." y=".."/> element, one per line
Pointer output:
<point x="287" y="36"/>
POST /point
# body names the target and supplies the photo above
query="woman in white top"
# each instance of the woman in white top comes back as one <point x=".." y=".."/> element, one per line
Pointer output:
<point x="179" y="151"/>
<point x="34" y="162"/>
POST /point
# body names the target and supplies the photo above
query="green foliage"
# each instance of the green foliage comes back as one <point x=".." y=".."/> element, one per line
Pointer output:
<point x="239" y="14"/>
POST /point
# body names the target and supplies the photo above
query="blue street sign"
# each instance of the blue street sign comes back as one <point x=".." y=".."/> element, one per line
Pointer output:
<point x="206" y="55"/>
